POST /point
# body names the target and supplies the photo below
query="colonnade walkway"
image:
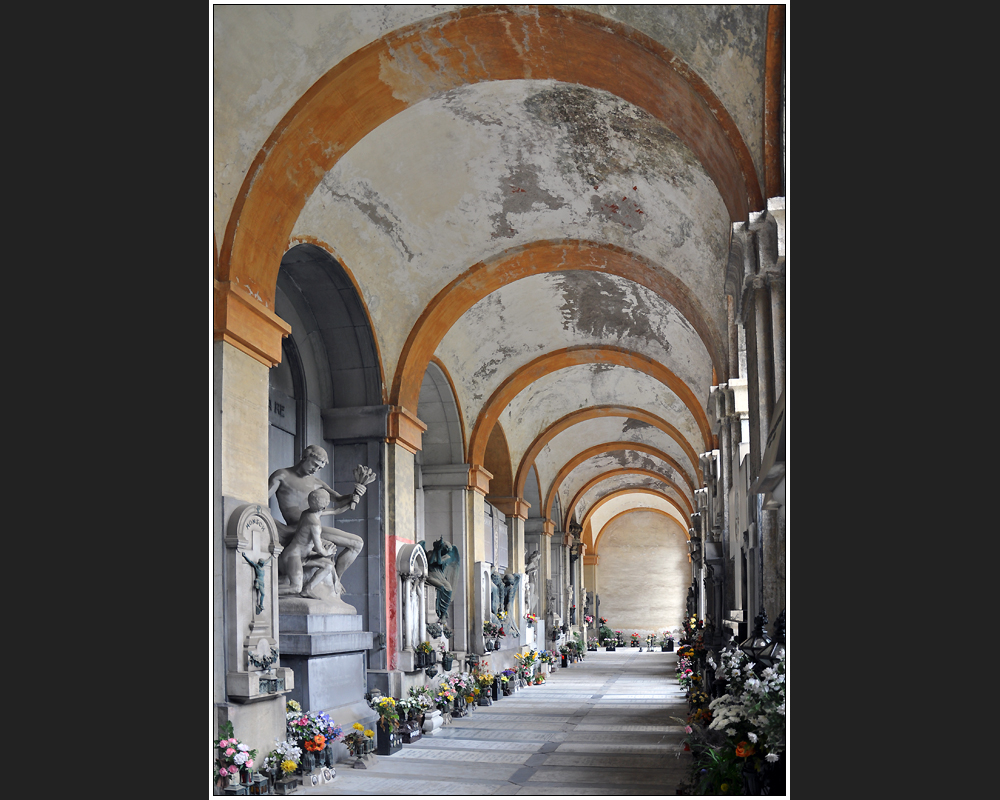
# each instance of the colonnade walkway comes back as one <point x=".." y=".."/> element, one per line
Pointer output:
<point x="602" y="726"/>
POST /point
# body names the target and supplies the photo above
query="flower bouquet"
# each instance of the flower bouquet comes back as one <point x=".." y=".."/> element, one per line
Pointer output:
<point x="532" y="618"/>
<point x="360" y="741"/>
<point x="388" y="714"/>
<point x="231" y="756"/>
<point x="588" y="619"/>
<point x="445" y="698"/>
<point x="635" y="640"/>
<point x="282" y="761"/>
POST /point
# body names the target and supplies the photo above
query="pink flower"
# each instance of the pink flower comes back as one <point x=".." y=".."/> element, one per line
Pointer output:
<point x="223" y="772"/>
<point x="229" y="751"/>
<point x="687" y="729"/>
<point x="250" y="764"/>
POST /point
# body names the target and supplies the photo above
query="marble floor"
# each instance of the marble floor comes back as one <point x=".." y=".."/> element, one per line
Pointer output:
<point x="600" y="727"/>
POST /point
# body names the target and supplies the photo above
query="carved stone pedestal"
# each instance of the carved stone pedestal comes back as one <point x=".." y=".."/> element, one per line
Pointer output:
<point x="327" y="653"/>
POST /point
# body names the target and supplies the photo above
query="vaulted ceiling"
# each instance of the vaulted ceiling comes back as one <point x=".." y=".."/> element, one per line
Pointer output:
<point x="537" y="200"/>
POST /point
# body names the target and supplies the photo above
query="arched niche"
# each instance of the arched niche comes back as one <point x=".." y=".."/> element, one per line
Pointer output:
<point x="411" y="566"/>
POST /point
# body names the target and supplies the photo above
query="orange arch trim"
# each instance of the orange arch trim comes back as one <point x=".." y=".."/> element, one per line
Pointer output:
<point x="590" y="452"/>
<point x="624" y="471"/>
<point x="511" y="265"/>
<point x="594" y="412"/>
<point x="469" y="46"/>
<point x="687" y="534"/>
<point x="574" y="356"/>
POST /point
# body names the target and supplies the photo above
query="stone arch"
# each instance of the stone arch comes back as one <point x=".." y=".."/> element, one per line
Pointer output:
<point x="597" y="449"/>
<point x="444" y="440"/>
<point x="469" y="45"/>
<point x="647" y="509"/>
<point x="622" y="493"/>
<point x="572" y="356"/>
<point x="528" y="461"/>
<point x="335" y="332"/>
<point x="483" y="278"/>
<point x="631" y="471"/>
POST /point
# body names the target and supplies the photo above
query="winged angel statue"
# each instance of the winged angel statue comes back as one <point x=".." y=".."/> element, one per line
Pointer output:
<point x="442" y="570"/>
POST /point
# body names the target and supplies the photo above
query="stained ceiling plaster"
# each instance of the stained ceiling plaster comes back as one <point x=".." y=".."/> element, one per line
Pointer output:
<point x="553" y="396"/>
<point x="468" y="174"/>
<point x="622" y="459"/>
<point x="619" y="482"/>
<point x="265" y="57"/>
<point x="543" y="161"/>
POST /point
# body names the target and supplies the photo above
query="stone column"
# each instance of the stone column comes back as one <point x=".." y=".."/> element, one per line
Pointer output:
<point x="446" y="516"/>
<point x="240" y="472"/>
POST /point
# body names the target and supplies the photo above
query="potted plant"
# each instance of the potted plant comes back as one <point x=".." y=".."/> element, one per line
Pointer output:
<point x="231" y="757"/>
<point x="447" y="657"/>
<point x="280" y="764"/>
<point x="387" y="738"/>
<point x="592" y="644"/>
<point x="667" y="642"/>
<point x="360" y="741"/>
<point x="634" y="640"/>
<point x="485" y="681"/>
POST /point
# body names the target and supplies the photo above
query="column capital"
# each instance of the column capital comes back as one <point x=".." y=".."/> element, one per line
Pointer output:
<point x="548" y="527"/>
<point x="591" y="560"/>
<point x="245" y="323"/>
<point x="405" y="429"/>
<point x="510" y="506"/>
<point x="479" y="479"/>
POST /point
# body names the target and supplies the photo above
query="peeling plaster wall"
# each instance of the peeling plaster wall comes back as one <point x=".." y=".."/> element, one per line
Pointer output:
<point x="553" y="396"/>
<point x="615" y="483"/>
<point x="267" y="56"/>
<point x="536" y="166"/>
<point x="511" y="326"/>
<point x="563" y="446"/>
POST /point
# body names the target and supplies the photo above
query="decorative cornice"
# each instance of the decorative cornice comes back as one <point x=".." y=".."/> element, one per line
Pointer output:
<point x="246" y="324"/>
<point x="405" y="429"/>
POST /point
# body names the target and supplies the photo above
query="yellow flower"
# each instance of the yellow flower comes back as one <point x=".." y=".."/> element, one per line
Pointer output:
<point x="288" y="766"/>
<point x="358" y="726"/>
<point x="369" y="734"/>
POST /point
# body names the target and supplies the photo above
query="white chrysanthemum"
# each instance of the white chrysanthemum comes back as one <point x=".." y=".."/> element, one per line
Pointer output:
<point x="752" y="737"/>
<point x="772" y="757"/>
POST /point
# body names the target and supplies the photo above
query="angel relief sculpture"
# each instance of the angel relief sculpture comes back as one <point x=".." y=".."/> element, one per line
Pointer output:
<point x="442" y="570"/>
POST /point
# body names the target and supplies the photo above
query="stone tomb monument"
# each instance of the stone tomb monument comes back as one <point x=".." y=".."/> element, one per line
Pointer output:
<point x="251" y="554"/>
<point x="321" y="635"/>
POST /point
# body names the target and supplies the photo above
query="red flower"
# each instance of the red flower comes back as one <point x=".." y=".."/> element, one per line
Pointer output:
<point x="744" y="749"/>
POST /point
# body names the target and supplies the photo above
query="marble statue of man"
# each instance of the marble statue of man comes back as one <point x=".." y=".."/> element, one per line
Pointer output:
<point x="292" y="485"/>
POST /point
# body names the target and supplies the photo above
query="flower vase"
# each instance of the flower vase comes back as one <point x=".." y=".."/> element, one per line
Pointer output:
<point x="308" y="761"/>
<point x="751" y="781"/>
<point x="446" y="662"/>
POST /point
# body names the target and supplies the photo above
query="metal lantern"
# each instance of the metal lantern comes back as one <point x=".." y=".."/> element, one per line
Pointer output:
<point x="759" y="640"/>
